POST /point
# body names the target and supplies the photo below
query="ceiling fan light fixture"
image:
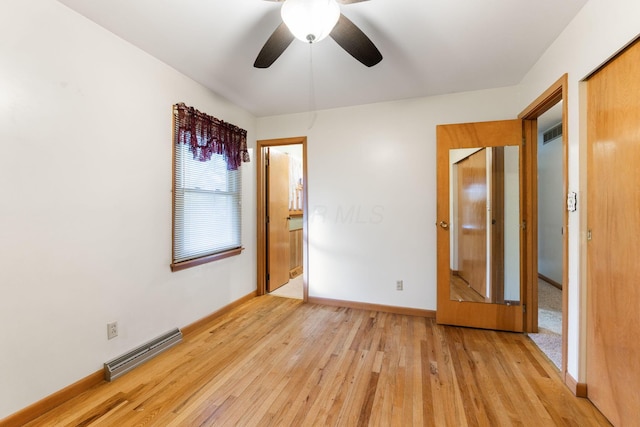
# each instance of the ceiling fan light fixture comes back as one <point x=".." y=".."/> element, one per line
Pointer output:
<point x="310" y="20"/>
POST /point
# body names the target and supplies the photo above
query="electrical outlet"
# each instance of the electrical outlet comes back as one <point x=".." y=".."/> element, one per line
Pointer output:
<point x="399" y="285"/>
<point x="112" y="330"/>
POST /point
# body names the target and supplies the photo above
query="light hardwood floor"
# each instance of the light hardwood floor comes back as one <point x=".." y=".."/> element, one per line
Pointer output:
<point x="277" y="361"/>
<point x="461" y="291"/>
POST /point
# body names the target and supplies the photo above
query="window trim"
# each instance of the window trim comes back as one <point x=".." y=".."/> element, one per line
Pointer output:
<point x="182" y="265"/>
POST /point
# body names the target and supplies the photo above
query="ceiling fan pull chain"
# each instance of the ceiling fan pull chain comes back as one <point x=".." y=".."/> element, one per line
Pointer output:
<point x="312" y="90"/>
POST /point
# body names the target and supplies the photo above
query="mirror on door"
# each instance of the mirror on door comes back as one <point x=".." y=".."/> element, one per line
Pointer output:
<point x="484" y="203"/>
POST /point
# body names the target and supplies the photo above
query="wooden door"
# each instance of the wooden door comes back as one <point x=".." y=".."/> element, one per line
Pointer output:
<point x="469" y="313"/>
<point x="278" y="219"/>
<point x="472" y="221"/>
<point x="613" y="239"/>
<point x="497" y="224"/>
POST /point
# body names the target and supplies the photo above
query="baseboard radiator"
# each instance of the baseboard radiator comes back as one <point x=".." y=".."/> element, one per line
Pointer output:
<point x="123" y="364"/>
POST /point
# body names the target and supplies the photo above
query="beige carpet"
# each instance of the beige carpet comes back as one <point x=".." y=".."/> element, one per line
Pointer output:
<point x="549" y="336"/>
<point x="293" y="289"/>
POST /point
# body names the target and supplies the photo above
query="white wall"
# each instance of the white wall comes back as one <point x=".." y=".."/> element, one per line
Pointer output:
<point x="601" y="29"/>
<point x="85" y="212"/>
<point x="372" y="192"/>
<point x="551" y="207"/>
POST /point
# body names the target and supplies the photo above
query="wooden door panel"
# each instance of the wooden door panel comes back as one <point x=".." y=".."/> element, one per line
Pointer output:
<point x="468" y="313"/>
<point x="613" y="216"/>
<point x="278" y="214"/>
<point x="497" y="224"/>
<point x="472" y="221"/>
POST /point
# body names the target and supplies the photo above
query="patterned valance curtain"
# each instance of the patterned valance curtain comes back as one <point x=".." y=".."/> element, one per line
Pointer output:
<point x="207" y="135"/>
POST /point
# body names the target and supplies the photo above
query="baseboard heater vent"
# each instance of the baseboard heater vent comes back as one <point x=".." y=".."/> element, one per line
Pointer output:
<point x="123" y="364"/>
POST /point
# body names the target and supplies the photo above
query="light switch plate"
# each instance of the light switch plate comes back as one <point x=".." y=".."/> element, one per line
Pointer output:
<point x="572" y="201"/>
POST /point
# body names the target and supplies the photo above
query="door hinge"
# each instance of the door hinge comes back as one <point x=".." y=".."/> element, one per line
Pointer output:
<point x="524" y="225"/>
<point x="524" y="308"/>
<point x="267" y="220"/>
<point x="524" y="140"/>
<point x="268" y="277"/>
<point x="588" y="235"/>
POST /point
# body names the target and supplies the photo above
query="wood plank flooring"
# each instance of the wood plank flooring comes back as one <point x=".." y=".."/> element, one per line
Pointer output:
<point x="278" y="362"/>
<point x="459" y="290"/>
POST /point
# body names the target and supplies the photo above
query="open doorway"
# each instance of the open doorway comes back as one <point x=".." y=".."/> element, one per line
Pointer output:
<point x="282" y="220"/>
<point x="545" y="126"/>
<point x="550" y="229"/>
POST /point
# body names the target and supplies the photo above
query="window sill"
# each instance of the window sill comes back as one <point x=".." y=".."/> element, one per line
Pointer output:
<point x="205" y="259"/>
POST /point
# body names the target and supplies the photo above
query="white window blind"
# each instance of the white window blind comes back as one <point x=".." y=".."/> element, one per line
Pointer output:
<point x="207" y="206"/>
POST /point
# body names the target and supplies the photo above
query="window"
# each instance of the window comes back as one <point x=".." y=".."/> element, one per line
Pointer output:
<point x="207" y="188"/>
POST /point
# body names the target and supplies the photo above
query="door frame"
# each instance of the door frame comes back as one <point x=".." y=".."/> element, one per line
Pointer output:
<point x="261" y="225"/>
<point x="557" y="92"/>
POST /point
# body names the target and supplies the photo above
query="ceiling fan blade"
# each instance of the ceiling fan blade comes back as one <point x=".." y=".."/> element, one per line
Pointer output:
<point x="355" y="42"/>
<point x="274" y="46"/>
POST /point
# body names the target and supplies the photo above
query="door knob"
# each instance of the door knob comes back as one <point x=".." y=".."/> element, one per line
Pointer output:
<point x="443" y="224"/>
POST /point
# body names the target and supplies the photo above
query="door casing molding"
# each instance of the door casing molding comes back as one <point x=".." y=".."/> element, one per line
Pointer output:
<point x="557" y="92"/>
<point x="261" y="226"/>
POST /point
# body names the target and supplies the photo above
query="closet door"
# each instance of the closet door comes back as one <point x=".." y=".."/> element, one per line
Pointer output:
<point x="613" y="238"/>
<point x="472" y="221"/>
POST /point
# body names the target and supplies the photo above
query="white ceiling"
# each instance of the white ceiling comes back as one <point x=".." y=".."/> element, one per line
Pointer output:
<point x="430" y="47"/>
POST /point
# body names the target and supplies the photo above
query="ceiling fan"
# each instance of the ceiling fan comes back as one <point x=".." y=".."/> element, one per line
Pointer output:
<point x="296" y="25"/>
